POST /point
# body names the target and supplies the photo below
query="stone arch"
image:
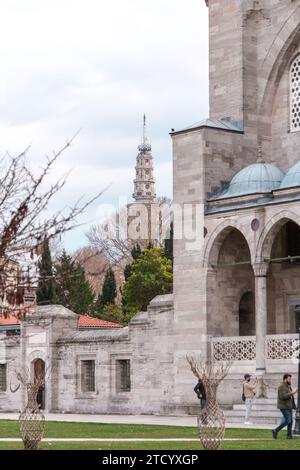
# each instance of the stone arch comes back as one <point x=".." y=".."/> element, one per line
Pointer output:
<point x="247" y="313"/>
<point x="267" y="237"/>
<point x="279" y="56"/>
<point x="37" y="354"/>
<point x="228" y="247"/>
<point x="216" y="239"/>
<point x="39" y="370"/>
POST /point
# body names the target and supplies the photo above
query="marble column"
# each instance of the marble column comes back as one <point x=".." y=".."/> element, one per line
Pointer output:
<point x="260" y="273"/>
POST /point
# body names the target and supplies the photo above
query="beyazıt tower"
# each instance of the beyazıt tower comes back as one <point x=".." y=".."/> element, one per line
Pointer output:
<point x="144" y="183"/>
<point x="143" y="214"/>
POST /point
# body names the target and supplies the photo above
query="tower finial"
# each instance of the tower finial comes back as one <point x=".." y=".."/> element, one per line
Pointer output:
<point x="144" y="130"/>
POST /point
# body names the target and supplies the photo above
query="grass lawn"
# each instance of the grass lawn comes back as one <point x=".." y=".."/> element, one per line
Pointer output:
<point x="94" y="430"/>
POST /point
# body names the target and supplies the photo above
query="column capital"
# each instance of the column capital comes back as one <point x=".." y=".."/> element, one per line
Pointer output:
<point x="260" y="269"/>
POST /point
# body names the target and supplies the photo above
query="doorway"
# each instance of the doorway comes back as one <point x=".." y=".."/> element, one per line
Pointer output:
<point x="39" y="372"/>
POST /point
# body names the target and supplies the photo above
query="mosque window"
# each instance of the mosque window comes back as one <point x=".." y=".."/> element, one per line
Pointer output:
<point x="3" y="377"/>
<point x="123" y="382"/>
<point x="87" y="376"/>
<point x="295" y="94"/>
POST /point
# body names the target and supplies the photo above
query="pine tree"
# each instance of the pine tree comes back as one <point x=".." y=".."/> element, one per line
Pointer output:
<point x="112" y="313"/>
<point x="136" y="252"/>
<point x="73" y="290"/>
<point x="151" y="276"/>
<point x="109" y="291"/>
<point x="45" y="294"/>
<point x="127" y="271"/>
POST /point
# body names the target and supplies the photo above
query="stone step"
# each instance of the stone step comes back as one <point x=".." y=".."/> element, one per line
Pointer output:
<point x="272" y="422"/>
<point x="257" y="407"/>
<point x="254" y="414"/>
<point x="264" y="401"/>
<point x="271" y="418"/>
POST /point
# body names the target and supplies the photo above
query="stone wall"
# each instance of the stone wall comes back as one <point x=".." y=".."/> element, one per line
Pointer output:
<point x="10" y="355"/>
<point x="252" y="44"/>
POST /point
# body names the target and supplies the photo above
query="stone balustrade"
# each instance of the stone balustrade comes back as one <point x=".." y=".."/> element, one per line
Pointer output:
<point x="281" y="352"/>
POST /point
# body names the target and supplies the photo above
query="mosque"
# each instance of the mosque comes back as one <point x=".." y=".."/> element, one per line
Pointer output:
<point x="237" y="285"/>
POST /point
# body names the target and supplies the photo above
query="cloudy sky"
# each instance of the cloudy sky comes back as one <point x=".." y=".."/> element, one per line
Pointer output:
<point x="97" y="66"/>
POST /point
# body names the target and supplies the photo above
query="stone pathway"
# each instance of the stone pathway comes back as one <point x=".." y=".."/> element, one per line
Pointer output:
<point x="190" y="421"/>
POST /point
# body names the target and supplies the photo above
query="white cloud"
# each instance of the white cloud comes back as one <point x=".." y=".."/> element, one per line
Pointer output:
<point x="98" y="65"/>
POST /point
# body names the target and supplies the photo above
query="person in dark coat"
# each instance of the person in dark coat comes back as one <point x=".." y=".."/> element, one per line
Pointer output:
<point x="286" y="404"/>
<point x="201" y="394"/>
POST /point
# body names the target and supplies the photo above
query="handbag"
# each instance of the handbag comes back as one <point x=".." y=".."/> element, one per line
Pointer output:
<point x="243" y="395"/>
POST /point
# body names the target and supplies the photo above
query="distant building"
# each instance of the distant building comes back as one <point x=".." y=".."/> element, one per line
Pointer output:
<point x="144" y="215"/>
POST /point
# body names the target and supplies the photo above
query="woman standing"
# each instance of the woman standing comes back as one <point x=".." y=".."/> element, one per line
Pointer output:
<point x="249" y="391"/>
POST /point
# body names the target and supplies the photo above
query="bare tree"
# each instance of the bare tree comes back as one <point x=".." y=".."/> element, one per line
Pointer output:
<point x="24" y="222"/>
<point x="111" y="237"/>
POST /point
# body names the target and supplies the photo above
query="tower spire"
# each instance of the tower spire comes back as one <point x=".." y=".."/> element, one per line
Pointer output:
<point x="144" y="130"/>
<point x="144" y="183"/>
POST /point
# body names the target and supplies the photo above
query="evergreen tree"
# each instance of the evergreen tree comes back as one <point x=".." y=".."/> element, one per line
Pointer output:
<point x="45" y="294"/>
<point x="73" y="290"/>
<point x="127" y="271"/>
<point x="135" y="253"/>
<point x="113" y="313"/>
<point x="109" y="291"/>
<point x="151" y="276"/>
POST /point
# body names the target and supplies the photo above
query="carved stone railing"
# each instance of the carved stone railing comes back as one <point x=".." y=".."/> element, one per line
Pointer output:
<point x="282" y="351"/>
<point x="234" y="348"/>
<point x="282" y="347"/>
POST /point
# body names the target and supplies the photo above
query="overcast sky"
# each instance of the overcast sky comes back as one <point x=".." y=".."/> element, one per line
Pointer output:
<point x="97" y="66"/>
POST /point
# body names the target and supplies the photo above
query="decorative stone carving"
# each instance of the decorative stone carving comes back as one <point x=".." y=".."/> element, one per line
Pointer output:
<point x="282" y="347"/>
<point x="240" y="348"/>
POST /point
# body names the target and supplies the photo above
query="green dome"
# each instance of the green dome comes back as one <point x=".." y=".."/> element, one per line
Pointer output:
<point x="292" y="178"/>
<point x="256" y="178"/>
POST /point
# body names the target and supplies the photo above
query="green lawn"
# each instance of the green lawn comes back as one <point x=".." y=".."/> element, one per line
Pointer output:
<point x="95" y="430"/>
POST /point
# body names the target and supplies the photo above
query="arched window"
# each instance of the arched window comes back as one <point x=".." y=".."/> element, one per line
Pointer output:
<point x="295" y="94"/>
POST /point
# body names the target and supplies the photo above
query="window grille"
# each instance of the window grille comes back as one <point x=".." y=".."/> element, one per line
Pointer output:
<point x="3" y="378"/>
<point x="123" y="375"/>
<point x="295" y="94"/>
<point x="88" y="376"/>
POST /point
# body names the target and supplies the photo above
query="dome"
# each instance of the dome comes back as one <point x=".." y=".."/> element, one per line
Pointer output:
<point x="256" y="178"/>
<point x="292" y="178"/>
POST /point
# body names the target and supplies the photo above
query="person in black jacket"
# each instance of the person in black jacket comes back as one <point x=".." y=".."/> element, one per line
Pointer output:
<point x="201" y="394"/>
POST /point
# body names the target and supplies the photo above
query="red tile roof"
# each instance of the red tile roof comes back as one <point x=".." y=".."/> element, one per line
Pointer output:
<point x="84" y="321"/>
<point x="9" y="320"/>
<point x="89" y="322"/>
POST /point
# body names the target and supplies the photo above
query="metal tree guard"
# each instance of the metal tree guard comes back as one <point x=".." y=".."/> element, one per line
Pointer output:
<point x="31" y="419"/>
<point x="211" y="420"/>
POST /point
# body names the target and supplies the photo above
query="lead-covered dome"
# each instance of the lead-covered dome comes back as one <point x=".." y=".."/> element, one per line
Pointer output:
<point x="292" y="178"/>
<point x="255" y="178"/>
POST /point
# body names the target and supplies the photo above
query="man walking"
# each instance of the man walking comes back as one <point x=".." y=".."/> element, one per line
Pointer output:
<point x="286" y="404"/>
<point x="249" y="390"/>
